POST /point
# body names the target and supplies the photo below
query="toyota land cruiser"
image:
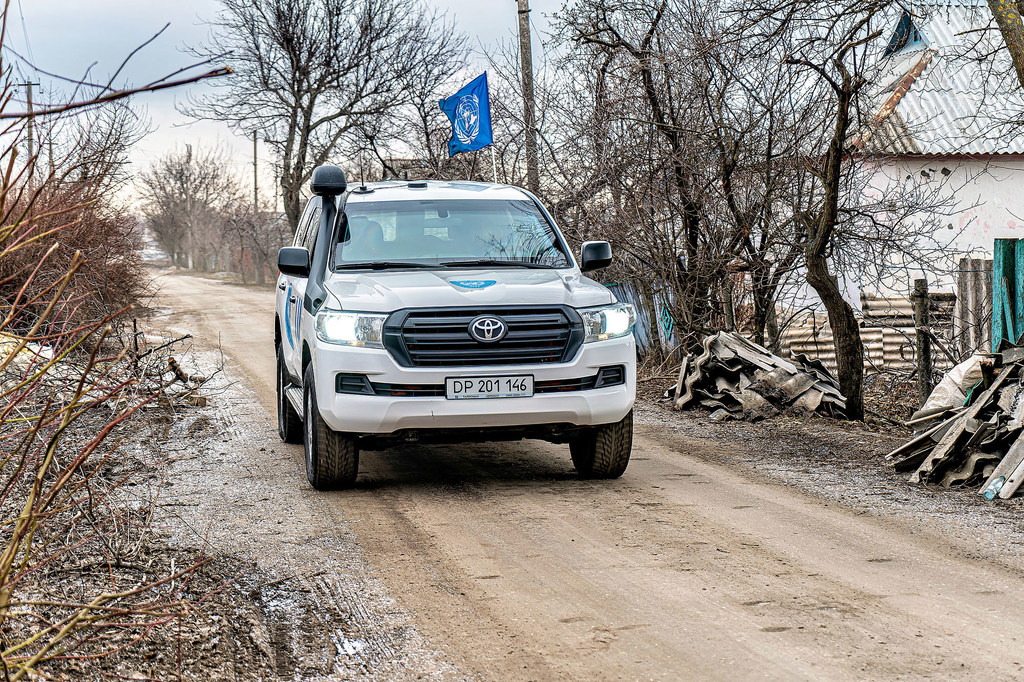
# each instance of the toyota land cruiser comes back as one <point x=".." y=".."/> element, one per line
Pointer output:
<point x="446" y="312"/>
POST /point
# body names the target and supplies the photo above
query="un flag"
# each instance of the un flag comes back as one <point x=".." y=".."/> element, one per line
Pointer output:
<point x="469" y="111"/>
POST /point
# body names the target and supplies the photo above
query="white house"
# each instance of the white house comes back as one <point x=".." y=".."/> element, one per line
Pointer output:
<point x="947" y="118"/>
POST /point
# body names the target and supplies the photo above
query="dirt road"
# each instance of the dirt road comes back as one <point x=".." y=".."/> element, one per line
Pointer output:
<point x="684" y="569"/>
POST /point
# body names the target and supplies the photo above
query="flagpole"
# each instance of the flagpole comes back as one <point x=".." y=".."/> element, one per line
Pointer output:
<point x="494" y="166"/>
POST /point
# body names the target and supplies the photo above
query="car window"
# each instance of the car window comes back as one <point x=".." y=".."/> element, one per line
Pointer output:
<point x="312" y="229"/>
<point x="303" y="227"/>
<point x="431" y="231"/>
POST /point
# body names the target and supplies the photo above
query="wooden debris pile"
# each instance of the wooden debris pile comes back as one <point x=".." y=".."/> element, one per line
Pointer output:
<point x="190" y="385"/>
<point x="980" y="442"/>
<point x="739" y="379"/>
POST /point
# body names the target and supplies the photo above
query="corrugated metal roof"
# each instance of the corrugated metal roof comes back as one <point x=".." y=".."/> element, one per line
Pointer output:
<point x="960" y="103"/>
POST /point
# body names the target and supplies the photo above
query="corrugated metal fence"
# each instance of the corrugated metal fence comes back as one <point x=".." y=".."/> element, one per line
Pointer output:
<point x="961" y="322"/>
<point x="887" y="331"/>
<point x="655" y="330"/>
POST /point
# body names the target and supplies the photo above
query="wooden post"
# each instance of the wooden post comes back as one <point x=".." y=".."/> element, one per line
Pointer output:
<point x="1016" y="285"/>
<point x="962" y="307"/>
<point x="984" y="323"/>
<point x="1003" y="288"/>
<point x="255" y="177"/>
<point x="924" y="344"/>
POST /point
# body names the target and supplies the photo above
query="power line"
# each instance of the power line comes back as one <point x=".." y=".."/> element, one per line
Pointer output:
<point x="24" y="32"/>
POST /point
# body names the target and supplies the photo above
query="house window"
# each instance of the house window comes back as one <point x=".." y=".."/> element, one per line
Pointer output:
<point x="906" y="36"/>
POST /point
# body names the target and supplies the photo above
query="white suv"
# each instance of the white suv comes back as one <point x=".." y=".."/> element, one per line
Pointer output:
<point x="446" y="312"/>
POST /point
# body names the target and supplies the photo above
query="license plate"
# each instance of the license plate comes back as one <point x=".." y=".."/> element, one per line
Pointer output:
<point x="489" y="387"/>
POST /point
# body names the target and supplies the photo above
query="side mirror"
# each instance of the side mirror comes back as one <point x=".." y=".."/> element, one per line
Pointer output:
<point x="595" y="255"/>
<point x="293" y="261"/>
<point x="328" y="181"/>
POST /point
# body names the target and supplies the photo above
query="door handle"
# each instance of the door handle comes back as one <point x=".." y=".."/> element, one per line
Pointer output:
<point x="291" y="299"/>
<point x="281" y="286"/>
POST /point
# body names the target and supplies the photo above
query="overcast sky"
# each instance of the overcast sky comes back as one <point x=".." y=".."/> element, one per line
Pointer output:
<point x="70" y="36"/>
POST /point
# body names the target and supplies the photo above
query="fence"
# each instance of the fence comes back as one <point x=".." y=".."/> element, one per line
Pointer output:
<point x="972" y="317"/>
<point x="885" y="348"/>
<point x="655" y="328"/>
<point x="961" y="322"/>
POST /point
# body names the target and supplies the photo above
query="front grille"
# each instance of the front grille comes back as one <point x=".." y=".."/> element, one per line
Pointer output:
<point x="439" y="337"/>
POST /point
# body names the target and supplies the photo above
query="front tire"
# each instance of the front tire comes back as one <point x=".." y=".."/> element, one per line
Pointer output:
<point x="289" y="426"/>
<point x="603" y="451"/>
<point x="332" y="458"/>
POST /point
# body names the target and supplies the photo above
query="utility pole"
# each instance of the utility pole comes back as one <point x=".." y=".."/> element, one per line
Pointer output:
<point x="31" y="124"/>
<point x="31" y="121"/>
<point x="529" y="117"/>
<point x="255" y="177"/>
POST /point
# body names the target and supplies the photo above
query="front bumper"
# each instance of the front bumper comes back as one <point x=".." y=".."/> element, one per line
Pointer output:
<point x="384" y="414"/>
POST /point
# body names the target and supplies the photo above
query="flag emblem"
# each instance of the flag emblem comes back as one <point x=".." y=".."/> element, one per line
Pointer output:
<point x="467" y="119"/>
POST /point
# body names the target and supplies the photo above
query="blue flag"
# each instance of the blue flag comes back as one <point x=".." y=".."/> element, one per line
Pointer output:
<point x="469" y="111"/>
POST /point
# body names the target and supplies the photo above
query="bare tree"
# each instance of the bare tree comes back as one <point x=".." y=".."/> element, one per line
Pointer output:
<point x="188" y="198"/>
<point x="714" y="146"/>
<point x="1007" y="14"/>
<point x="260" y="234"/>
<point x="68" y="275"/>
<point x="417" y="128"/>
<point x="308" y="75"/>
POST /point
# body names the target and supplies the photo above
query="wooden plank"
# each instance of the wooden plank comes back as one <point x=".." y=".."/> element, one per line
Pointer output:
<point x="1010" y="465"/>
<point x="986" y="309"/>
<point x="911" y="461"/>
<point x="680" y="386"/>
<point x="1011" y="333"/>
<point x="961" y="321"/>
<point x="919" y="439"/>
<point x="999" y="261"/>
<point x="1017" y="286"/>
<point x="950" y="441"/>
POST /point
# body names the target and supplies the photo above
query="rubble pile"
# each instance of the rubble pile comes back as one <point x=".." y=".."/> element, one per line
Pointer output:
<point x="737" y="378"/>
<point x="971" y="429"/>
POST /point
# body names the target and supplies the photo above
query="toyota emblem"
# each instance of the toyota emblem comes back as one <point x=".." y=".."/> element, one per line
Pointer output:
<point x="488" y="329"/>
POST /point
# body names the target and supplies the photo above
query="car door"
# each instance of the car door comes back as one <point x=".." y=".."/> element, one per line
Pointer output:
<point x="290" y="293"/>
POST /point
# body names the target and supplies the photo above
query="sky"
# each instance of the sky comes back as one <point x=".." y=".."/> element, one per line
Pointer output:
<point x="73" y="38"/>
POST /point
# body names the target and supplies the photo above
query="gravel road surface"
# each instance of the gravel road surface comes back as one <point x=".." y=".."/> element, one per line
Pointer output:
<point x="504" y="566"/>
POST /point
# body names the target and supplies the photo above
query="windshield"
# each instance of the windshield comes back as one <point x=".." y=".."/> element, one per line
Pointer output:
<point x="446" y="232"/>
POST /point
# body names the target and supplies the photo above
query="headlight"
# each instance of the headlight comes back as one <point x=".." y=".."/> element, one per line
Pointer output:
<point x="351" y="329"/>
<point x="608" y="322"/>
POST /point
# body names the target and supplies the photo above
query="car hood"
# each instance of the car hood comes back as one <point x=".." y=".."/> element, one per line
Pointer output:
<point x="389" y="290"/>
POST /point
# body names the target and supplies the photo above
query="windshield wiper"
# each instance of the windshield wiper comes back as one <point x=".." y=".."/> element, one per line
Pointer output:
<point x="381" y="265"/>
<point x="494" y="262"/>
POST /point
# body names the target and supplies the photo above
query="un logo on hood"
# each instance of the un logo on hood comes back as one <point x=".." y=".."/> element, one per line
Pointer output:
<point x="467" y="119"/>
